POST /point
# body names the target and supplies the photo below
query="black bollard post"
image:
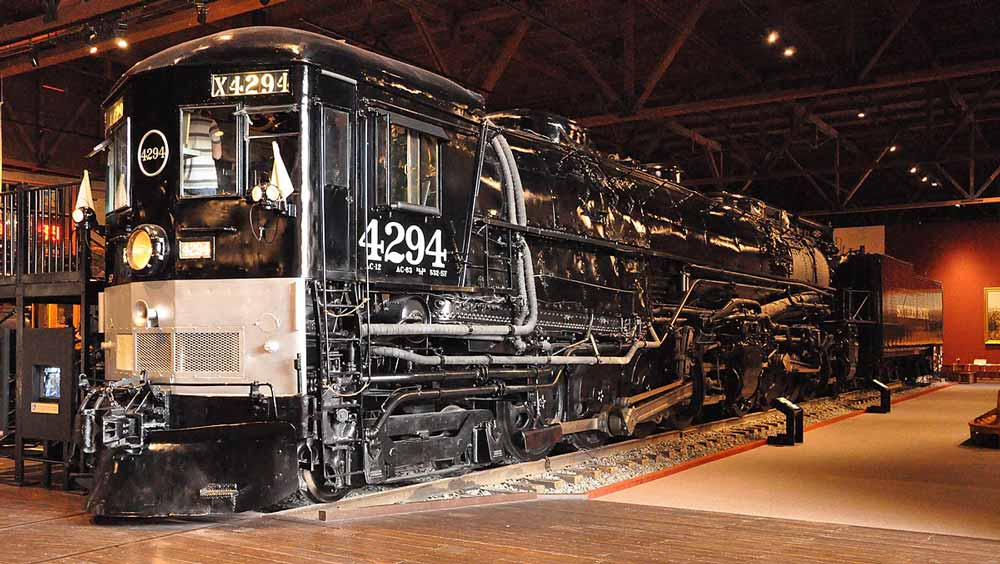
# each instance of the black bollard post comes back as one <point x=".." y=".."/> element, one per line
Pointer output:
<point x="885" y="398"/>
<point x="793" y="423"/>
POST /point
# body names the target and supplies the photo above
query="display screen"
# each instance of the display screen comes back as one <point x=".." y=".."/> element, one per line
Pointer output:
<point x="49" y="382"/>
<point x="253" y="83"/>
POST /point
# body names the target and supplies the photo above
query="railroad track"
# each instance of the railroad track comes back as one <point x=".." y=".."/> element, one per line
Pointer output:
<point x="586" y="471"/>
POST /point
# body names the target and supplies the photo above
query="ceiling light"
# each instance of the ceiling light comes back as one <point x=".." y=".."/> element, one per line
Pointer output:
<point x="120" y="29"/>
<point x="93" y="49"/>
<point x="924" y="179"/>
<point x="772" y="37"/>
<point x="789" y="51"/>
<point x="892" y="148"/>
<point x="861" y="114"/>
<point x="914" y="169"/>
<point x="935" y="184"/>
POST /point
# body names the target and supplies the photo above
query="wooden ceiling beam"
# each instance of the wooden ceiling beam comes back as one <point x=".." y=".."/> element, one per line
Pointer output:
<point x="628" y="48"/>
<point x="439" y="59"/>
<point x="710" y="144"/>
<point x="138" y="32"/>
<point x="888" y="41"/>
<point x="668" y="56"/>
<point x="751" y="100"/>
<point x="591" y="69"/>
<point x="719" y="55"/>
<point x="507" y="52"/>
<point x="70" y="12"/>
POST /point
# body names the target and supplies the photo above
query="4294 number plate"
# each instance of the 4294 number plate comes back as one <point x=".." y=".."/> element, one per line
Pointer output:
<point x="394" y="249"/>
<point x="253" y="83"/>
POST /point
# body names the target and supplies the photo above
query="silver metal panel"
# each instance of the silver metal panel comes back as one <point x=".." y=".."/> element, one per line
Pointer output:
<point x="226" y="331"/>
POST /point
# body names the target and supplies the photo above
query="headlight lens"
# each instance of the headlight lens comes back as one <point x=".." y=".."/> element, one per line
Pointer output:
<point x="146" y="248"/>
<point x="140" y="250"/>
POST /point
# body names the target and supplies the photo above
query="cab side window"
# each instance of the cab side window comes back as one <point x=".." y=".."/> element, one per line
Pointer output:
<point x="337" y="147"/>
<point x="209" y="152"/>
<point x="118" y="167"/>
<point x="408" y="156"/>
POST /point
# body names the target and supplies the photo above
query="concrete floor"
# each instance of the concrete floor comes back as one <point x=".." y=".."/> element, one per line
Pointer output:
<point x="908" y="470"/>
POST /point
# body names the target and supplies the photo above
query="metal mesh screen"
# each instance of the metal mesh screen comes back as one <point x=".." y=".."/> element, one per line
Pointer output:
<point x="207" y="352"/>
<point x="152" y="353"/>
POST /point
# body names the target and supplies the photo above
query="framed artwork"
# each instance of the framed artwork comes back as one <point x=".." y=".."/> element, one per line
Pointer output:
<point x="992" y="324"/>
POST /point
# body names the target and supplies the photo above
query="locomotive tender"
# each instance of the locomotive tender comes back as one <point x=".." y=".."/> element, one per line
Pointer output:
<point x="327" y="268"/>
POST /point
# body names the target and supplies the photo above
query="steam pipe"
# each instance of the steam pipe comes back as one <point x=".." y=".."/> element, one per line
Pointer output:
<point x="525" y="274"/>
<point x="488" y="360"/>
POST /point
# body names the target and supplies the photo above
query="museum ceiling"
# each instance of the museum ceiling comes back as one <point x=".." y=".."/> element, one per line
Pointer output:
<point x="891" y="107"/>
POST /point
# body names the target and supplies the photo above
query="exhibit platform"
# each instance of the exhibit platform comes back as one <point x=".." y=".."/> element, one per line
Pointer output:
<point x="912" y="469"/>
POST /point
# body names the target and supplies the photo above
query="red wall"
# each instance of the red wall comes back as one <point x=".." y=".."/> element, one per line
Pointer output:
<point x="966" y="258"/>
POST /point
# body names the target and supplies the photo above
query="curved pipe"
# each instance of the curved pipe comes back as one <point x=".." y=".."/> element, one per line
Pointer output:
<point x="528" y="318"/>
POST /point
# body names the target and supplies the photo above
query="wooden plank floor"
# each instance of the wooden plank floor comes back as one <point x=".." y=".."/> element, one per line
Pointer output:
<point x="47" y="526"/>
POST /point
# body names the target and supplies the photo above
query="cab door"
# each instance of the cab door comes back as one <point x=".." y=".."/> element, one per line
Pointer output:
<point x="337" y="150"/>
<point x="336" y="155"/>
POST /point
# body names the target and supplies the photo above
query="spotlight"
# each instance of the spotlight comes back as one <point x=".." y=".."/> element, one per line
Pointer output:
<point x="772" y="37"/>
<point x="862" y="114"/>
<point x="914" y="169"/>
<point x="93" y="49"/>
<point x="924" y="179"/>
<point x="789" y="52"/>
<point x="935" y="184"/>
<point x="892" y="148"/>
<point x="120" y="29"/>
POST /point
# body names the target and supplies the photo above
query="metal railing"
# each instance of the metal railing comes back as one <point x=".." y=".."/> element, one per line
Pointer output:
<point x="38" y="233"/>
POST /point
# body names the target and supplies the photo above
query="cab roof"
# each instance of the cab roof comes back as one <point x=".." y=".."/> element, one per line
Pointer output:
<point x="263" y="45"/>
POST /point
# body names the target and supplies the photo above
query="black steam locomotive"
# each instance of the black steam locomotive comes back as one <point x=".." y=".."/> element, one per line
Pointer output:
<point x="327" y="268"/>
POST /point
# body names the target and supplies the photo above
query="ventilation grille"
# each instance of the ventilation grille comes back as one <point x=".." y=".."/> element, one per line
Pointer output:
<point x="152" y="353"/>
<point x="207" y="352"/>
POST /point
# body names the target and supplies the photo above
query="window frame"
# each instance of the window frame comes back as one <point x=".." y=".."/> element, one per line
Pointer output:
<point x="243" y="113"/>
<point x="383" y="193"/>
<point x="240" y="157"/>
<point x="125" y="124"/>
<point x="325" y="111"/>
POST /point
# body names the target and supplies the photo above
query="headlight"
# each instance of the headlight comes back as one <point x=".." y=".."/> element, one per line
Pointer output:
<point x="146" y="249"/>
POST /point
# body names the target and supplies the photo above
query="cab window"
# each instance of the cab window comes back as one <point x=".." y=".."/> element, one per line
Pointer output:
<point x="118" y="167"/>
<point x="265" y="128"/>
<point x="209" y="152"/>
<point x="336" y="147"/>
<point x="408" y="164"/>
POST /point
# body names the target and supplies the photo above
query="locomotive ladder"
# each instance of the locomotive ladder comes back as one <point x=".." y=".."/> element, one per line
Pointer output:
<point x="331" y="304"/>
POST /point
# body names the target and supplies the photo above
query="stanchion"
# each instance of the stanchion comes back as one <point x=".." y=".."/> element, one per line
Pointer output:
<point x="885" y="402"/>
<point x="794" y="423"/>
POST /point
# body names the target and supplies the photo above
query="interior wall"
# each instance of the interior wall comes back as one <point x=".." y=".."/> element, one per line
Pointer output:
<point x="966" y="258"/>
<point x="871" y="237"/>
